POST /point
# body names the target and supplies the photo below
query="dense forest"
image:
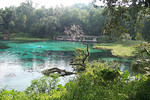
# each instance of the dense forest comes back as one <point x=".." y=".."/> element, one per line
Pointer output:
<point x="27" y="20"/>
<point x="43" y="22"/>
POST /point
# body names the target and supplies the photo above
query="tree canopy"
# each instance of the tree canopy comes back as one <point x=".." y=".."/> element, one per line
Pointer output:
<point x="126" y="17"/>
<point x="47" y="22"/>
<point x="115" y="18"/>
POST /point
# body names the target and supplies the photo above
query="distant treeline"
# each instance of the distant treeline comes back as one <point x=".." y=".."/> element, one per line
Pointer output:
<point x="48" y="22"/>
<point x="43" y="22"/>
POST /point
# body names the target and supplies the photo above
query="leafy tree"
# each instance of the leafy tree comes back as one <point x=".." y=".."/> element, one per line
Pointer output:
<point x="44" y="84"/>
<point x="44" y="27"/>
<point x="94" y="24"/>
<point x="81" y="59"/>
<point x="146" y="31"/>
<point x="124" y="16"/>
<point x="141" y="63"/>
<point x="7" y="18"/>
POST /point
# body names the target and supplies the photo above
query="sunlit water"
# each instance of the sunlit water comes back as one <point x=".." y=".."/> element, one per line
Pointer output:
<point x="21" y="62"/>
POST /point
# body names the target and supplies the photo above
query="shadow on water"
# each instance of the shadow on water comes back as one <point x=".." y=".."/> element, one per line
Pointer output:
<point x="108" y="57"/>
<point x="3" y="46"/>
<point x="99" y="55"/>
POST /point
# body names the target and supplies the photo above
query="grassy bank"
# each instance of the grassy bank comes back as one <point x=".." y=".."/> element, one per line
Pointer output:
<point x="30" y="39"/>
<point x="120" y="49"/>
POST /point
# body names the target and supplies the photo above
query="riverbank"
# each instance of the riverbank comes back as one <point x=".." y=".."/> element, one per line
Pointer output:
<point x="120" y="49"/>
<point x="30" y="39"/>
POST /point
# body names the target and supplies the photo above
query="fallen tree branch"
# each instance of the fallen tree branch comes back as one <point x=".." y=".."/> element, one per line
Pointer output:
<point x="60" y="71"/>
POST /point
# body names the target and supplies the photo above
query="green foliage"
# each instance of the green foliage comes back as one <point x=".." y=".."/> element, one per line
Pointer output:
<point x="125" y="37"/>
<point x="125" y="75"/>
<point x="138" y="36"/>
<point x="146" y="31"/>
<point x="48" y="22"/>
<point x="30" y="39"/>
<point x="44" y="88"/>
<point x="0" y="35"/>
<point x="15" y="95"/>
<point x="9" y="95"/>
<point x="14" y="35"/>
<point x="44" y="84"/>
<point x="141" y="62"/>
<point x="107" y="39"/>
<point x="101" y="80"/>
<point x="120" y="48"/>
<point x="81" y="58"/>
<point x="103" y="39"/>
<point x="125" y="17"/>
<point x="140" y="89"/>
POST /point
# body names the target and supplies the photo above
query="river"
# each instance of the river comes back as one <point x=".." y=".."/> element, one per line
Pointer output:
<point x="21" y="62"/>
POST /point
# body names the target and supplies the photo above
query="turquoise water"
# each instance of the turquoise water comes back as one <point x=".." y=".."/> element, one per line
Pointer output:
<point x="21" y="62"/>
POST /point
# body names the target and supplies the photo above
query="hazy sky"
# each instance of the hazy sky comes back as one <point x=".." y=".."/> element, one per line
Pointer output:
<point x="47" y="3"/>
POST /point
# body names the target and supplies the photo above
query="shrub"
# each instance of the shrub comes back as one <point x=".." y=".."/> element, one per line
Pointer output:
<point x="138" y="36"/>
<point x="141" y="63"/>
<point x="14" y="35"/>
<point x="125" y="37"/>
<point x="0" y="35"/>
<point x="103" y="39"/>
<point x="96" y="82"/>
<point x="44" y="84"/>
<point x="106" y="39"/>
<point x="104" y="81"/>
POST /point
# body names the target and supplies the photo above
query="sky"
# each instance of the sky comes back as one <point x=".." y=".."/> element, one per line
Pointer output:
<point x="47" y="3"/>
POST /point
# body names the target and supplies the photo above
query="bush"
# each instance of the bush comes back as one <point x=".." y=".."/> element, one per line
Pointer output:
<point x="15" y="35"/>
<point x="104" y="81"/>
<point x="138" y="36"/>
<point x="103" y="39"/>
<point x="99" y="81"/>
<point x="44" y="84"/>
<point x="106" y="39"/>
<point x="125" y="37"/>
<point x="1" y="35"/>
<point x="141" y="63"/>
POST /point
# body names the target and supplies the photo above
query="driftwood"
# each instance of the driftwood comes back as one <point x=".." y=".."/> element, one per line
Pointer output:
<point x="60" y="71"/>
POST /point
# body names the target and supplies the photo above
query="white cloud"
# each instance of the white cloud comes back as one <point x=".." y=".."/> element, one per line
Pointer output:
<point x="7" y="3"/>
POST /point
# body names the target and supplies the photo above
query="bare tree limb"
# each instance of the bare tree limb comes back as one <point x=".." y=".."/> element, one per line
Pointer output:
<point x="81" y="61"/>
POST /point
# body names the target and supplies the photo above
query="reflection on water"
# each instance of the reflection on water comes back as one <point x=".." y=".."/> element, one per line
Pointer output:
<point x="21" y="62"/>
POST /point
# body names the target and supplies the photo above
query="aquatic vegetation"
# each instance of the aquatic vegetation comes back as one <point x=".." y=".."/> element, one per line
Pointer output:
<point x="28" y="39"/>
<point x="120" y="49"/>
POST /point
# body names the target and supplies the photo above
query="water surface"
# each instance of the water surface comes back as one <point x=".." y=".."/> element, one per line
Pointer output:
<point x="21" y="62"/>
